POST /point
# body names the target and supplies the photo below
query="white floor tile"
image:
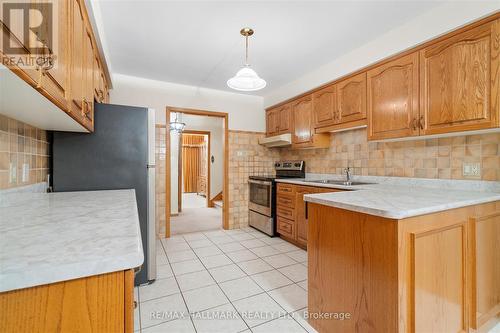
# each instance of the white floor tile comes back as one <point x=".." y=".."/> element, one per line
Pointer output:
<point x="241" y="237"/>
<point x="225" y="273"/>
<point x="285" y="324"/>
<point x="265" y="251"/>
<point x="295" y="272"/>
<point x="231" y="247"/>
<point x="173" y="239"/>
<point x="159" y="288"/>
<point x="199" y="243"/>
<point x="177" y="326"/>
<point x="216" y="261"/>
<point x="174" y="247"/>
<point x="161" y="259"/>
<point x="194" y="280"/>
<point x="286" y="247"/>
<point x="163" y="271"/>
<point x="258" y="309"/>
<point x="181" y="256"/>
<point x="224" y="239"/>
<point x="255" y="266"/>
<point x="279" y="260"/>
<point x="272" y="240"/>
<point x="299" y="317"/>
<point x="213" y="320"/>
<point x="194" y="236"/>
<point x="243" y="255"/>
<point x="271" y="280"/>
<point x="188" y="266"/>
<point x="204" y="298"/>
<point x="240" y="288"/>
<point x="232" y="232"/>
<point x="251" y="243"/>
<point x="163" y="309"/>
<point x="207" y="251"/>
<point x="137" y="320"/>
<point x="136" y="294"/>
<point x="214" y="233"/>
<point x="291" y="298"/>
<point x="303" y="285"/>
<point x="299" y="255"/>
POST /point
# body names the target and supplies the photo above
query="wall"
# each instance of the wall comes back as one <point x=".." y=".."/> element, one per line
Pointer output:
<point x="199" y="123"/>
<point x="447" y="17"/>
<point x="246" y="158"/>
<point x="22" y="144"/>
<point x="160" y="181"/>
<point x="246" y="112"/>
<point x="440" y="158"/>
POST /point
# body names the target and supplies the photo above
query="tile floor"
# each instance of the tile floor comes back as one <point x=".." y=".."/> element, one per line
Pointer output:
<point x="225" y="282"/>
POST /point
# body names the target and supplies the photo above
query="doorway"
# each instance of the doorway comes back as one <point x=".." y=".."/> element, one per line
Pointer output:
<point x="194" y="178"/>
<point x="189" y="179"/>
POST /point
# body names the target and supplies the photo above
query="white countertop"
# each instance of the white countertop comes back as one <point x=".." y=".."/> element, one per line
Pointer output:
<point x="52" y="237"/>
<point x="395" y="201"/>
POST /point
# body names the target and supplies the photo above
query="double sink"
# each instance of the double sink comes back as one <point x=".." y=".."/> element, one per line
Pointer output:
<point x="337" y="182"/>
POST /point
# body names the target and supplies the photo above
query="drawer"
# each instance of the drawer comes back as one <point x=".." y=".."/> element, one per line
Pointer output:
<point x="286" y="188"/>
<point x="286" y="212"/>
<point x="285" y="200"/>
<point x="286" y="227"/>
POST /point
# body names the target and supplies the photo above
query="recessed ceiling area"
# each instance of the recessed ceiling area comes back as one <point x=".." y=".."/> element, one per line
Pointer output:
<point x="198" y="42"/>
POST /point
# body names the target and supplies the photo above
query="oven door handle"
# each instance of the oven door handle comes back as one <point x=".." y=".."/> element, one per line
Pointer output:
<point x="259" y="182"/>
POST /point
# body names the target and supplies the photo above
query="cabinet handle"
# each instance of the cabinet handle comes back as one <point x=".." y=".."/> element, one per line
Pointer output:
<point x="306" y="211"/>
<point x="421" y="122"/>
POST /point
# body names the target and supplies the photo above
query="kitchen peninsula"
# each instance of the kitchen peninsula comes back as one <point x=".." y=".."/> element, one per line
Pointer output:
<point x="404" y="259"/>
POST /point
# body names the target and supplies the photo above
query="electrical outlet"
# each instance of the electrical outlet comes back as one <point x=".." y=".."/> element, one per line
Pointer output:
<point x="471" y="170"/>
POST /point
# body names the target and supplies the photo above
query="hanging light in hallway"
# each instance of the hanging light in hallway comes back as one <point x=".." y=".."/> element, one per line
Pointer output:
<point x="176" y="125"/>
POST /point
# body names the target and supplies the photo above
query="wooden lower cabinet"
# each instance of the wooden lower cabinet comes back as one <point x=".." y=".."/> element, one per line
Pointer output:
<point x="433" y="273"/>
<point x="291" y="211"/>
<point x="101" y="303"/>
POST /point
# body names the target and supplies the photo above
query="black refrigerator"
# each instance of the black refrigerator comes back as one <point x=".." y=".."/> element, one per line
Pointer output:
<point x="119" y="154"/>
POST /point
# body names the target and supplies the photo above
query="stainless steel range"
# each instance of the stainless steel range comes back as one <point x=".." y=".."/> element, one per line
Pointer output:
<point x="262" y="198"/>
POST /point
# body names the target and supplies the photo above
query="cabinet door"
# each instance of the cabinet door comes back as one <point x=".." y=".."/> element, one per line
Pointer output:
<point x="285" y="115"/>
<point x="300" y="213"/>
<point x="77" y="58"/>
<point x="272" y="122"/>
<point x="458" y="78"/>
<point x="89" y="79"/>
<point x="325" y="107"/>
<point x="352" y="99"/>
<point x="302" y="120"/>
<point x="393" y="99"/>
<point x="54" y="81"/>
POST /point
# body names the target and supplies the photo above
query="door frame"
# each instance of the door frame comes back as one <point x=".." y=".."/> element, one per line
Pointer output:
<point x="225" y="184"/>
<point x="207" y="133"/>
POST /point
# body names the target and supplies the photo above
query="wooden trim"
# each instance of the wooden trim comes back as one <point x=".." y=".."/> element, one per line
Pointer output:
<point x="129" y="300"/>
<point x="207" y="133"/>
<point x="405" y="52"/>
<point x="179" y="177"/>
<point x="343" y="126"/>
<point x="225" y="186"/>
<point x="215" y="198"/>
<point x="246" y="132"/>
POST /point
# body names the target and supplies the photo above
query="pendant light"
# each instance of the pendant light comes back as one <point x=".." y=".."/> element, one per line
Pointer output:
<point x="176" y="125"/>
<point x="246" y="79"/>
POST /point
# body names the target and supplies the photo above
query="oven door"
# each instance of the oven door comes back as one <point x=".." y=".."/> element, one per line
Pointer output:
<point x="260" y="196"/>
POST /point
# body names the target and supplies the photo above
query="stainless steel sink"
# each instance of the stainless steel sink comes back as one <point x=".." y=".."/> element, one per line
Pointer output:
<point x="337" y="182"/>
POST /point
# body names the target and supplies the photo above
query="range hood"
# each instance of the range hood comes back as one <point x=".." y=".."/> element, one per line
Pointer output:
<point x="281" y="140"/>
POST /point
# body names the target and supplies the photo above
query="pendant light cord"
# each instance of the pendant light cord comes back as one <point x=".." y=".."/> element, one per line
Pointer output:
<point x="246" y="51"/>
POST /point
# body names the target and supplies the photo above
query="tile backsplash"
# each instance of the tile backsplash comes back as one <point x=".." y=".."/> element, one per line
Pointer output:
<point x="438" y="158"/>
<point x="24" y="154"/>
<point x="160" y="177"/>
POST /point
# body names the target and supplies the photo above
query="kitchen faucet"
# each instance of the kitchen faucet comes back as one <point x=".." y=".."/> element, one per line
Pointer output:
<point x="347" y="176"/>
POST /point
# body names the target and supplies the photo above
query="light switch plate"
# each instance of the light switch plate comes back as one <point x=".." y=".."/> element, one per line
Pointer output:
<point x="471" y="170"/>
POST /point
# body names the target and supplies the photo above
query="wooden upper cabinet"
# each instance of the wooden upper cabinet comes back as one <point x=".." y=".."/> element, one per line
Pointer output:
<point x="325" y="110"/>
<point x="393" y="108"/>
<point x="89" y="79"/>
<point x="351" y="99"/>
<point x="285" y="119"/>
<point x="272" y="122"/>
<point x="77" y="60"/>
<point x="459" y="81"/>
<point x="302" y="120"/>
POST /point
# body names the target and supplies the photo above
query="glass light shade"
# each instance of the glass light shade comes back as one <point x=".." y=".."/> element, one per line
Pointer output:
<point x="176" y="126"/>
<point x="246" y="80"/>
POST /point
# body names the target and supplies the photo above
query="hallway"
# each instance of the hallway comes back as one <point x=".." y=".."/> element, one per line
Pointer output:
<point x="195" y="216"/>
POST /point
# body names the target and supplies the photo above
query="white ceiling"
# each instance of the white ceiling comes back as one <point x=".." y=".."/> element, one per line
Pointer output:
<point x="198" y="43"/>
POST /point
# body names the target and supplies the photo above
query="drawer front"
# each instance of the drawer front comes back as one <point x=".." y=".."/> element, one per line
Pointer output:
<point x="286" y="188"/>
<point x="286" y="227"/>
<point x="285" y="200"/>
<point x="285" y="212"/>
